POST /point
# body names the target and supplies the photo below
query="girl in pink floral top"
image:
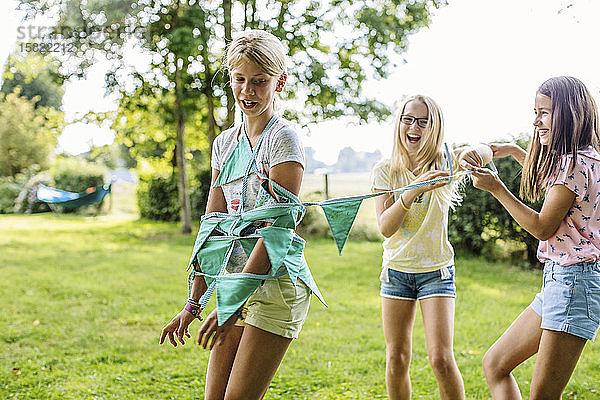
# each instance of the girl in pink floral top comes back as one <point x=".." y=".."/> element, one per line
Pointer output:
<point x="563" y="161"/>
<point x="578" y="236"/>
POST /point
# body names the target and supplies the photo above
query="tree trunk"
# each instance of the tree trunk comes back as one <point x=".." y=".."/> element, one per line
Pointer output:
<point x="230" y="99"/>
<point x="252" y="14"/>
<point x="182" y="182"/>
<point x="210" y="99"/>
<point x="281" y="18"/>
<point x="212" y="123"/>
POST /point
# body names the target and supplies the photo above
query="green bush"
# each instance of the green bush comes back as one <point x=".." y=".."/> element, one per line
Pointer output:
<point x="9" y="191"/>
<point x="314" y="223"/>
<point x="364" y="232"/>
<point x="482" y="226"/>
<point x="200" y="186"/>
<point x="75" y="174"/>
<point x="158" y="198"/>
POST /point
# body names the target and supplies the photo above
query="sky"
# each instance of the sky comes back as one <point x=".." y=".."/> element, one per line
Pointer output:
<point x="480" y="60"/>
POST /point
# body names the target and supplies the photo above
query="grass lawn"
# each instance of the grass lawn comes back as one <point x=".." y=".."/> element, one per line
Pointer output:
<point x="83" y="300"/>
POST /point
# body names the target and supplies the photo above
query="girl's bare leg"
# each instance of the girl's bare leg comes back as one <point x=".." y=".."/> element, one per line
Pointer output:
<point x="398" y="320"/>
<point x="220" y="364"/>
<point x="438" y="318"/>
<point x="557" y="357"/>
<point x="258" y="357"/>
<point x="519" y="342"/>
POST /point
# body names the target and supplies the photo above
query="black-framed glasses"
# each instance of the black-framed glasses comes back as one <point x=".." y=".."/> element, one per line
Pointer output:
<point x="409" y="120"/>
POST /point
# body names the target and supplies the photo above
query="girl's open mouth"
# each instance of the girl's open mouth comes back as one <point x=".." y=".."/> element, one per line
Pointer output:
<point x="412" y="138"/>
<point x="249" y="104"/>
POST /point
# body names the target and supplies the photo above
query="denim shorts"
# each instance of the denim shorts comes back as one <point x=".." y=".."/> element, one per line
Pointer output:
<point x="413" y="286"/>
<point x="570" y="298"/>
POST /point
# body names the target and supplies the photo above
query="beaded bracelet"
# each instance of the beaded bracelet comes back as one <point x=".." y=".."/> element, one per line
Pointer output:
<point x="193" y="303"/>
<point x="402" y="204"/>
<point x="194" y="311"/>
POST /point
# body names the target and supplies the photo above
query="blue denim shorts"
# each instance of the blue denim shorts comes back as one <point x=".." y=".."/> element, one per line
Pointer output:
<point x="413" y="286"/>
<point x="570" y="298"/>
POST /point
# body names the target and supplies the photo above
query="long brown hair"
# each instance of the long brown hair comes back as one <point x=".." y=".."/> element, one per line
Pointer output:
<point x="574" y="127"/>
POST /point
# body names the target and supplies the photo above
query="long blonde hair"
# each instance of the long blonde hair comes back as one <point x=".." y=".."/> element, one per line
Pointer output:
<point x="430" y="155"/>
<point x="574" y="127"/>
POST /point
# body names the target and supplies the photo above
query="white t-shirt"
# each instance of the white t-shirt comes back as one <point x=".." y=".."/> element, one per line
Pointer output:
<point x="279" y="144"/>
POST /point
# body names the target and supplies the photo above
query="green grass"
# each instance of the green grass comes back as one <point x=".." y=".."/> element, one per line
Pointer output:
<point x="83" y="300"/>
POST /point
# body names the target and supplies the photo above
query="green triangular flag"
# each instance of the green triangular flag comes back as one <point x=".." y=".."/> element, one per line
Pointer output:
<point x="340" y="216"/>
<point x="307" y="278"/>
<point x="248" y="245"/>
<point x="294" y="260"/>
<point x="236" y="164"/>
<point x="206" y="228"/>
<point x="277" y="241"/>
<point x="210" y="257"/>
<point x="232" y="293"/>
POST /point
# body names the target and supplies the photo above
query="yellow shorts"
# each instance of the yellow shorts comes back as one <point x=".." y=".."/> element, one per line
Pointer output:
<point x="278" y="307"/>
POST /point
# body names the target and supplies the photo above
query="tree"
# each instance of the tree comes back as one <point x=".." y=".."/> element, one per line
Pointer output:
<point x="333" y="47"/>
<point x="37" y="77"/>
<point x="27" y="135"/>
<point x="145" y="124"/>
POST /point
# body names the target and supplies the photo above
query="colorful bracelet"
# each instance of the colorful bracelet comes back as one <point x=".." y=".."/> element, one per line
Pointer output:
<point x="402" y="203"/>
<point x="193" y="303"/>
<point x="194" y="311"/>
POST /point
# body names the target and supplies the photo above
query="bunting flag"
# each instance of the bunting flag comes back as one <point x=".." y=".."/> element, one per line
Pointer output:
<point x="340" y="217"/>
<point x="277" y="242"/>
<point x="275" y="223"/>
<point x="232" y="293"/>
<point x="236" y="165"/>
<point x="219" y="232"/>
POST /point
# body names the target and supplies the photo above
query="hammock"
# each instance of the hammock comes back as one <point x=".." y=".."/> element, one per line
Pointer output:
<point x="72" y="200"/>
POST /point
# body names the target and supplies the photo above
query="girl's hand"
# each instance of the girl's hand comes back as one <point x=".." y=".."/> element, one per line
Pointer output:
<point x="178" y="326"/>
<point x="210" y="327"/>
<point x="485" y="179"/>
<point x="427" y="176"/>
<point x="470" y="159"/>
<point x="502" y="150"/>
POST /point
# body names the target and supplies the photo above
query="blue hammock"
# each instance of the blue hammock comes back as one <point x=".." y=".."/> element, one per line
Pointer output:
<point x="72" y="200"/>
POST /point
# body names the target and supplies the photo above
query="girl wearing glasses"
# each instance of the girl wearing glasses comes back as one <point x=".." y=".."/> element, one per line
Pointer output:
<point x="563" y="163"/>
<point x="418" y="260"/>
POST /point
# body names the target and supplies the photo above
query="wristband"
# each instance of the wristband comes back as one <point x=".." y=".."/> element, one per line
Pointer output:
<point x="193" y="303"/>
<point x="402" y="203"/>
<point x="194" y="311"/>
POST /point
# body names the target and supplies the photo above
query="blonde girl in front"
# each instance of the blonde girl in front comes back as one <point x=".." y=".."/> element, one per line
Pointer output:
<point x="245" y="354"/>
<point x="563" y="163"/>
<point x="418" y="260"/>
